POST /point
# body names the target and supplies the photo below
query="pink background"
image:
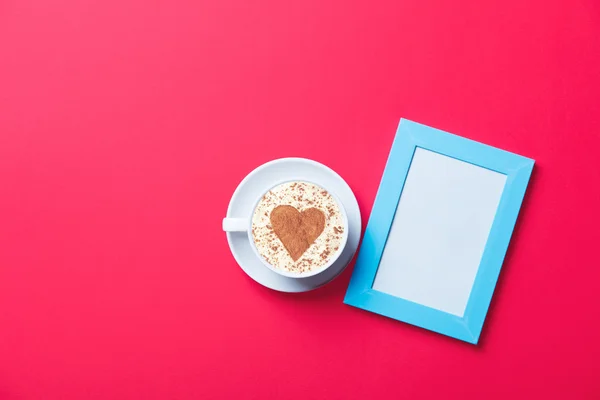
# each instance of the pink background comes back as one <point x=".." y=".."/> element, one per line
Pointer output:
<point x="126" y="125"/>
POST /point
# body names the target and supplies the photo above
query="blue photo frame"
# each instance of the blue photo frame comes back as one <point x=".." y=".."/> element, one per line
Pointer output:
<point x="410" y="136"/>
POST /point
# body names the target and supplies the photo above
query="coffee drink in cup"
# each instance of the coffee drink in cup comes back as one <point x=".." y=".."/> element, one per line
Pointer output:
<point x="298" y="227"/>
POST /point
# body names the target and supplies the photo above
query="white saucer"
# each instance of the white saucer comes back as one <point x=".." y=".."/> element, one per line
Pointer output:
<point x="267" y="176"/>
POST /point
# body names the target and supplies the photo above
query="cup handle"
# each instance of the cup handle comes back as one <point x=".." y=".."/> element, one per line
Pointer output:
<point x="235" y="224"/>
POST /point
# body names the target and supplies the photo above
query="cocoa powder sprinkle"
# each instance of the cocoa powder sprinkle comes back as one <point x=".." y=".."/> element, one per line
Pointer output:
<point x="298" y="258"/>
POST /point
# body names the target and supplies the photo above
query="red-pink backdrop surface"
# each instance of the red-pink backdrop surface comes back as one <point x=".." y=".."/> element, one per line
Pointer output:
<point x="126" y="125"/>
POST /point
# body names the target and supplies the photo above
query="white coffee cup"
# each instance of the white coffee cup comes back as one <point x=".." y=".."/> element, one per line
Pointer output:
<point x="245" y="225"/>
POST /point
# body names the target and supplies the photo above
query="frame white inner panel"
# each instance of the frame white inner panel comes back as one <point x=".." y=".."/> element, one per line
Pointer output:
<point x="439" y="232"/>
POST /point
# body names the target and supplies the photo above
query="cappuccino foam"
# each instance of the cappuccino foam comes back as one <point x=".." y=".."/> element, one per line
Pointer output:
<point x="302" y="196"/>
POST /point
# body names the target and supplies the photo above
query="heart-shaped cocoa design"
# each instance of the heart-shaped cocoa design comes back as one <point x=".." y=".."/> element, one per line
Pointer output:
<point x="297" y="230"/>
